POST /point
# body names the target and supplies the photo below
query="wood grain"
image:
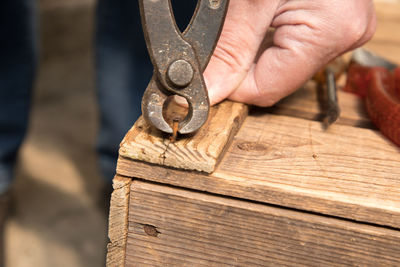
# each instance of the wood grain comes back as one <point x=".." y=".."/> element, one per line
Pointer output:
<point x="216" y="231"/>
<point x="118" y="222"/>
<point x="346" y="171"/>
<point x="304" y="104"/>
<point x="200" y="152"/>
<point x="386" y="41"/>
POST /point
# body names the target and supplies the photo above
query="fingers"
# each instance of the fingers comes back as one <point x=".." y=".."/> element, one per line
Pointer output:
<point x="245" y="27"/>
<point x="308" y="35"/>
<point x="279" y="71"/>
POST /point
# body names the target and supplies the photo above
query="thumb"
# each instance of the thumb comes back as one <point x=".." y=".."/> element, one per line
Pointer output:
<point x="244" y="29"/>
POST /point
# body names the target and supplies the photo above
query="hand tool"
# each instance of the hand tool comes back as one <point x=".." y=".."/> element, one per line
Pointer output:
<point x="377" y="80"/>
<point x="179" y="60"/>
<point x="327" y="90"/>
<point x="368" y="59"/>
<point x="332" y="107"/>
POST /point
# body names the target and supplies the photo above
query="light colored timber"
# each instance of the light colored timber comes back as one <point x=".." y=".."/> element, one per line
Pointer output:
<point x="304" y="104"/>
<point x="386" y="41"/>
<point x="346" y="171"/>
<point x="200" y="152"/>
<point x="118" y="222"/>
<point x="290" y="162"/>
<point x="174" y="227"/>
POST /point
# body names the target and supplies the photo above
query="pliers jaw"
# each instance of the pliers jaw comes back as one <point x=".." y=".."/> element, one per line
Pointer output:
<point x="153" y="104"/>
<point x="179" y="60"/>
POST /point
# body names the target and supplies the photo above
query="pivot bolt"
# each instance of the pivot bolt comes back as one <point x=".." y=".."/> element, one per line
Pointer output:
<point x="180" y="73"/>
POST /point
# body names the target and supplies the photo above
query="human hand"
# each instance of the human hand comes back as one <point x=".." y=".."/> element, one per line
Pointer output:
<point x="308" y="34"/>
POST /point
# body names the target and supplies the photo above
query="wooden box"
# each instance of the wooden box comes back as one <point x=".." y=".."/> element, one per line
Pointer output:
<point x="279" y="191"/>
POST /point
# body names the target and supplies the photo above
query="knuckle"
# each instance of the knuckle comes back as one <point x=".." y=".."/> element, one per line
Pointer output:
<point x="359" y="30"/>
<point x="229" y="50"/>
<point x="355" y="31"/>
<point x="371" y="28"/>
<point x="264" y="97"/>
<point x="226" y="55"/>
<point x="264" y="101"/>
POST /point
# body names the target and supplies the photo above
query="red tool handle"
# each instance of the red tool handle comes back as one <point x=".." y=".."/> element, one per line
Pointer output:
<point x="381" y="90"/>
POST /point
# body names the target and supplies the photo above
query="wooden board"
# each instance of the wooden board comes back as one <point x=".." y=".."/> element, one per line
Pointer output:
<point x="118" y="222"/>
<point x="201" y="152"/>
<point x="304" y="104"/>
<point x="386" y="40"/>
<point x="346" y="171"/>
<point x="218" y="231"/>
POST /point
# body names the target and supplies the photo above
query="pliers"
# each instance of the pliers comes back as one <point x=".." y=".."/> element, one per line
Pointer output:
<point x="179" y="59"/>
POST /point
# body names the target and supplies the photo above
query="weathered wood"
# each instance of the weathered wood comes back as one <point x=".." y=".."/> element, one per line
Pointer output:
<point x="346" y="171"/>
<point x="304" y="104"/>
<point x="200" y="152"/>
<point x="118" y="222"/>
<point x="217" y="231"/>
<point x="386" y="41"/>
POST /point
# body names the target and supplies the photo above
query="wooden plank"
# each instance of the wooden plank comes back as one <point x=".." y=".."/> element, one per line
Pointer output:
<point x="388" y="18"/>
<point x="304" y="104"/>
<point x="173" y="227"/>
<point x="118" y="222"/>
<point x="346" y="171"/>
<point x="386" y="41"/>
<point x="200" y="152"/>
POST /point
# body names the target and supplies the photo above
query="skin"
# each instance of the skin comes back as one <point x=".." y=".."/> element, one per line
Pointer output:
<point x="253" y="66"/>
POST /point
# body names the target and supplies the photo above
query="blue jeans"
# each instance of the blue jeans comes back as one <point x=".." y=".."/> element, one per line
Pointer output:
<point x="123" y="70"/>
<point x="17" y="69"/>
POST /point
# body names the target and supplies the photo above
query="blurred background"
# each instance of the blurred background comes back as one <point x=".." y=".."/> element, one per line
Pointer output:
<point x="59" y="198"/>
<point x="59" y="212"/>
<point x="57" y="217"/>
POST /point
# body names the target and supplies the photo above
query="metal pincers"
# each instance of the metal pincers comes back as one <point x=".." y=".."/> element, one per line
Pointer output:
<point x="179" y="59"/>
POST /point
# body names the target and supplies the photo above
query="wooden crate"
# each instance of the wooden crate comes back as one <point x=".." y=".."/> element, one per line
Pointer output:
<point x="281" y="190"/>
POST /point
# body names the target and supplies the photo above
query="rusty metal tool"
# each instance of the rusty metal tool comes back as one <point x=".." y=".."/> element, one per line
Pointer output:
<point x="332" y="111"/>
<point x="377" y="81"/>
<point x="179" y="60"/>
<point x="327" y="90"/>
<point x="368" y="59"/>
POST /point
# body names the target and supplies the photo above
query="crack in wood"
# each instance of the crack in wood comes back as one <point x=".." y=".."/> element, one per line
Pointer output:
<point x="163" y="154"/>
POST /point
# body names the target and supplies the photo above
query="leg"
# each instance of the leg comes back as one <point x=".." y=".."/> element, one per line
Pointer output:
<point x="17" y="68"/>
<point x="123" y="71"/>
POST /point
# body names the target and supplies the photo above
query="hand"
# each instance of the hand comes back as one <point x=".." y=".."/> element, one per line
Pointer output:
<point x="308" y="34"/>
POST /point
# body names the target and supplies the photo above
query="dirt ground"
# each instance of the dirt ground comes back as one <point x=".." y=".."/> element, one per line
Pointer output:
<point x="57" y="218"/>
